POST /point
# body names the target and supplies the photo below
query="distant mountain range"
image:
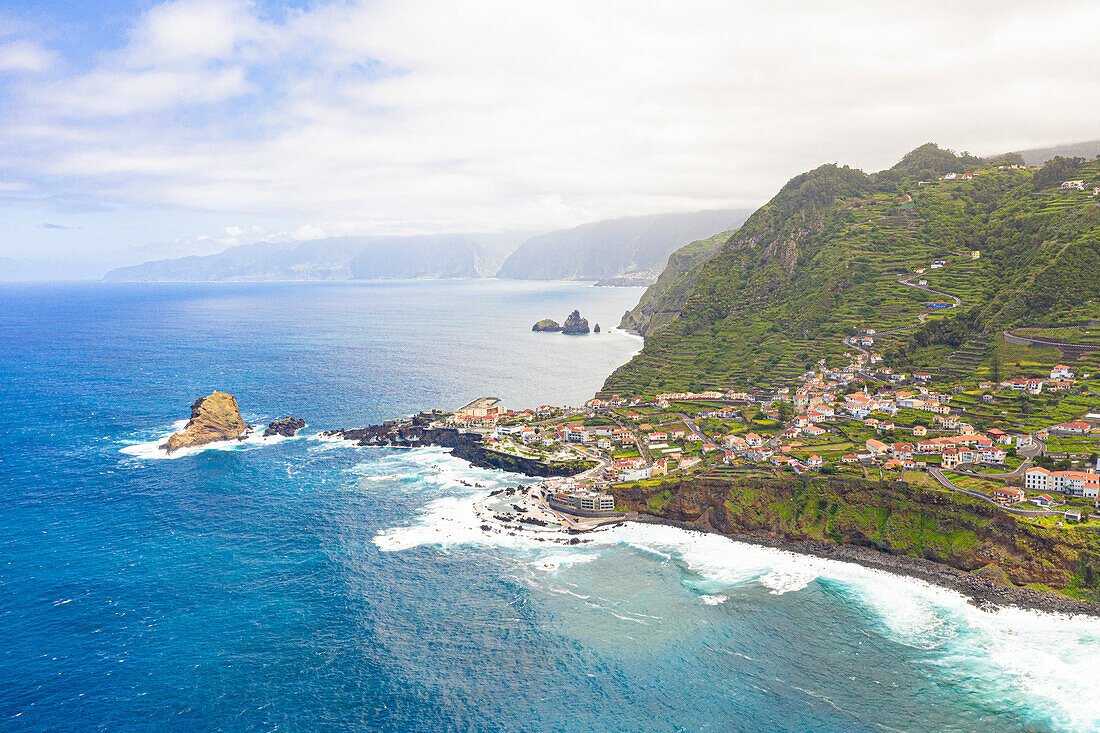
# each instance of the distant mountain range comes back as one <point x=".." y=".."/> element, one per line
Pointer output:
<point x="340" y="258"/>
<point x="637" y="247"/>
<point x="609" y="249"/>
<point x="1039" y="156"/>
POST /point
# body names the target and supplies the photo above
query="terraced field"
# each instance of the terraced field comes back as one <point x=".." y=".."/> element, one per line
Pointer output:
<point x="822" y="259"/>
<point x="1017" y="409"/>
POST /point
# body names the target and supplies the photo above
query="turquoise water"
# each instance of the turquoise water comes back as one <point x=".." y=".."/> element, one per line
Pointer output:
<point x="309" y="585"/>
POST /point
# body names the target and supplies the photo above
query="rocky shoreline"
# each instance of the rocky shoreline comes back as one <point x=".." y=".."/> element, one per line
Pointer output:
<point x="467" y="446"/>
<point x="982" y="592"/>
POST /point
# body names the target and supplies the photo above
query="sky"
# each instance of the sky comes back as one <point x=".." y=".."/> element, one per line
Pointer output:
<point x="133" y="130"/>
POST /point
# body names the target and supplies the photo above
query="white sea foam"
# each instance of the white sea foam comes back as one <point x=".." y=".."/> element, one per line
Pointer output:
<point x="784" y="582"/>
<point x="640" y="341"/>
<point x="1046" y="662"/>
<point x="556" y="562"/>
<point x="151" y="449"/>
<point x="1043" y="662"/>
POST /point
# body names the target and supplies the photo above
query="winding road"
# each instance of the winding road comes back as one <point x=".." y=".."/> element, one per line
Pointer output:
<point x="948" y="483"/>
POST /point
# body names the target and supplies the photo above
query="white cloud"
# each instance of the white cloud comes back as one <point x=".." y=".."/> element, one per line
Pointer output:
<point x="26" y="56"/>
<point x="419" y="115"/>
<point x="186" y="31"/>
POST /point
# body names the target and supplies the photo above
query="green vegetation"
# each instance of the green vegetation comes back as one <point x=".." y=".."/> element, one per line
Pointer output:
<point x="823" y="258"/>
<point x="898" y="518"/>
<point x="663" y="300"/>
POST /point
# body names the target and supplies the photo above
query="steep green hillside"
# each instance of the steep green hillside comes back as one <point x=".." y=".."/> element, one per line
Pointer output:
<point x="824" y="258"/>
<point x="663" y="300"/>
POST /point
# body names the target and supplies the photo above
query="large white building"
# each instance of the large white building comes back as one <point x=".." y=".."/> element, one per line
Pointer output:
<point x="1074" y="483"/>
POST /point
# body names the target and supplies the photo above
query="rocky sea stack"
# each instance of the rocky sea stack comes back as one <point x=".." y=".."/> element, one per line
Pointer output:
<point x="546" y="324"/>
<point x="213" y="418"/>
<point x="286" y="426"/>
<point x="596" y="328"/>
<point x="574" y="324"/>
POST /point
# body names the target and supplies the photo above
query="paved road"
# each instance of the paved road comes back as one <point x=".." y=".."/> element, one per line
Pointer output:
<point x="948" y="483"/>
<point x="1037" y="446"/>
<point x="1026" y="341"/>
<point x="643" y="450"/>
<point x="586" y="454"/>
<point x="695" y="431"/>
<point x="906" y="280"/>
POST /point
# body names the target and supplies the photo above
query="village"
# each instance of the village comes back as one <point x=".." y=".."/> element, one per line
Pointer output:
<point x="861" y="421"/>
<point x="1027" y="443"/>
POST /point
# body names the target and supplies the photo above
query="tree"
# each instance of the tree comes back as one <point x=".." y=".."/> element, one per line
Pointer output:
<point x="786" y="411"/>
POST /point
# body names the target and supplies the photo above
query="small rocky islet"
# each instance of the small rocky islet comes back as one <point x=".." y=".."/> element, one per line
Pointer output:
<point x="286" y="427"/>
<point x="217" y="418"/>
<point x="574" y="325"/>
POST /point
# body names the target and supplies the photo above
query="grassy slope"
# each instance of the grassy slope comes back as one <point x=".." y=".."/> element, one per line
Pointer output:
<point x="823" y="257"/>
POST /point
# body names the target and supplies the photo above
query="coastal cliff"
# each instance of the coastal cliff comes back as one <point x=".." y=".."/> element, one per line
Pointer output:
<point x="950" y="540"/>
<point x="467" y="446"/>
<point x="215" y="417"/>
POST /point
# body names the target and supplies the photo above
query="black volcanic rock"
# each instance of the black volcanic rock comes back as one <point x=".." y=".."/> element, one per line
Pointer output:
<point x="574" y="324"/>
<point x="546" y="324"/>
<point x="596" y="328"/>
<point x="467" y="446"/>
<point x="287" y="426"/>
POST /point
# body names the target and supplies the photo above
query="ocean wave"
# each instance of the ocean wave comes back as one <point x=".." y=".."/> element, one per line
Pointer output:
<point x="1040" y="662"/>
<point x="434" y="469"/>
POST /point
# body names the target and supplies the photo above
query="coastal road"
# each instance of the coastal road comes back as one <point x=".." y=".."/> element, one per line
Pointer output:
<point x="1051" y="343"/>
<point x="587" y="455"/>
<point x="948" y="483"/>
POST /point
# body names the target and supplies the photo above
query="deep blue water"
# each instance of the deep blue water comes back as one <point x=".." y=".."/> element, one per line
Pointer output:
<point x="308" y="585"/>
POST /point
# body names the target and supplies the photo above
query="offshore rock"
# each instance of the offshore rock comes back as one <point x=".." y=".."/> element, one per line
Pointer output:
<point x="286" y="426"/>
<point x="574" y="324"/>
<point x="596" y="328"/>
<point x="213" y="418"/>
<point x="546" y="324"/>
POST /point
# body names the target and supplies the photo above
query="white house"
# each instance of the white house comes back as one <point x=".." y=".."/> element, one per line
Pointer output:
<point x="1061" y="372"/>
<point x="994" y="455"/>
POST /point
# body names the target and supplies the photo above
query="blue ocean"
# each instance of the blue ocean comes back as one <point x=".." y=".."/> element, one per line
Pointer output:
<point x="309" y="585"/>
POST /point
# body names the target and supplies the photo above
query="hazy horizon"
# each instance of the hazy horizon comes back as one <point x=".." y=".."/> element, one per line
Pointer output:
<point x="136" y="131"/>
